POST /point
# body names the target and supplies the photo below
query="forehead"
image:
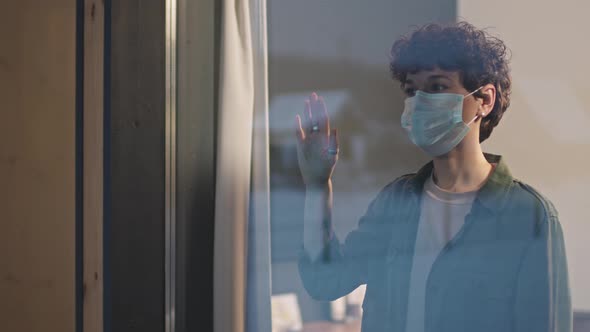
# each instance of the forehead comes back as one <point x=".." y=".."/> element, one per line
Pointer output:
<point x="424" y="76"/>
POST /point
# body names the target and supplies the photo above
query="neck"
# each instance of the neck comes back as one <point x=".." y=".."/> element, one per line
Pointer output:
<point x="461" y="170"/>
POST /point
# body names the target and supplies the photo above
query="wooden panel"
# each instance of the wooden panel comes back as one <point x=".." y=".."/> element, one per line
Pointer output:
<point x="134" y="262"/>
<point x="93" y="165"/>
<point x="37" y="165"/>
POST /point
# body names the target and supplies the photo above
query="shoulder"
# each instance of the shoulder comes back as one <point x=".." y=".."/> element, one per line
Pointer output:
<point x="529" y="210"/>
<point x="391" y="194"/>
<point x="527" y="196"/>
<point x="397" y="186"/>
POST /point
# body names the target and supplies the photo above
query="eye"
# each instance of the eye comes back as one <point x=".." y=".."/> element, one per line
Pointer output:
<point x="410" y="92"/>
<point x="437" y="87"/>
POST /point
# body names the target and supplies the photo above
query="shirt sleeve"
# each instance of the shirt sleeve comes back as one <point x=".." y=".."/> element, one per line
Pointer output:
<point x="343" y="266"/>
<point x="542" y="299"/>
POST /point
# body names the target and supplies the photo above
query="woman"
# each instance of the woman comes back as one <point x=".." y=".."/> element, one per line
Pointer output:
<point x="460" y="245"/>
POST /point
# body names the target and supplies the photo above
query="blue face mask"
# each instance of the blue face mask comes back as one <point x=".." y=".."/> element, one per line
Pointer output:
<point x="434" y="121"/>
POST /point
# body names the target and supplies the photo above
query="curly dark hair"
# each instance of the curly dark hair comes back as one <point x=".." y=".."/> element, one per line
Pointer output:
<point x="478" y="57"/>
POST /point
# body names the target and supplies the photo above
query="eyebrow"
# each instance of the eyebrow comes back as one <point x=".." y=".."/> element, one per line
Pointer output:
<point x="406" y="83"/>
<point x="430" y="78"/>
<point x="434" y="77"/>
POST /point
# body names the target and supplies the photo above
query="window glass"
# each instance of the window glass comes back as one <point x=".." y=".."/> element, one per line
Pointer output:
<point x="473" y="241"/>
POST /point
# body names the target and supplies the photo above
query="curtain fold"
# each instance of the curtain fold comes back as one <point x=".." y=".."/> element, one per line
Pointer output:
<point x="258" y="307"/>
<point x="242" y="207"/>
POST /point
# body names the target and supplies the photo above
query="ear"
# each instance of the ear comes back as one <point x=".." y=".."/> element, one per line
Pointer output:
<point x="488" y="93"/>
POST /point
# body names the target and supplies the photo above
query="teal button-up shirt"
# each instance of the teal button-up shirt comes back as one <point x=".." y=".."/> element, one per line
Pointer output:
<point x="505" y="270"/>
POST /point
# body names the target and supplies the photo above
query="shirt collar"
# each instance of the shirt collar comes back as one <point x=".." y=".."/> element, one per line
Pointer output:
<point x="493" y="194"/>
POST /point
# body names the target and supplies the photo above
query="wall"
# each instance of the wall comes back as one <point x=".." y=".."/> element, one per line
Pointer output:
<point x="545" y="135"/>
<point x="37" y="146"/>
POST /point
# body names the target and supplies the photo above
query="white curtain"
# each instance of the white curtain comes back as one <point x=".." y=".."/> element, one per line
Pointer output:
<point x="242" y="207"/>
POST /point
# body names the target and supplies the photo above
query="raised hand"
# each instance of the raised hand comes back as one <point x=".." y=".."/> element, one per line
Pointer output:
<point x="317" y="144"/>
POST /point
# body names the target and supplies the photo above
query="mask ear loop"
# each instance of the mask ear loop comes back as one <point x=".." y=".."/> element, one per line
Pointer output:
<point x="477" y="116"/>
<point x="474" y="91"/>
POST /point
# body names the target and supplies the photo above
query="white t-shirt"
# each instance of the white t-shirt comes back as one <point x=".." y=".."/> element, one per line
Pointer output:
<point x="442" y="215"/>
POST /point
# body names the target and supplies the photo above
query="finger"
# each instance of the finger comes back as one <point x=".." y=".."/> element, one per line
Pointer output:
<point x="313" y="97"/>
<point x="314" y="110"/>
<point x="299" y="132"/>
<point x="323" y="117"/>
<point x="334" y="144"/>
<point x="299" y="129"/>
<point x="308" y="117"/>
